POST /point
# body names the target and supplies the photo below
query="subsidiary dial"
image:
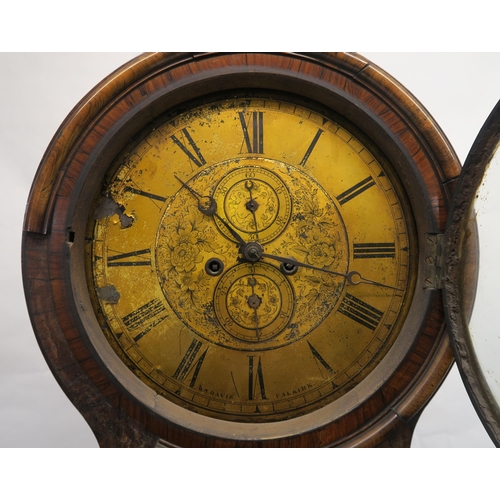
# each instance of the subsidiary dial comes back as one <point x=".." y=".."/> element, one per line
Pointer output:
<point x="254" y="302"/>
<point x="254" y="200"/>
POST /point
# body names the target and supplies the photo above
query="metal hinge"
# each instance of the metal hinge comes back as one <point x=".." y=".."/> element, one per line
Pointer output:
<point x="433" y="261"/>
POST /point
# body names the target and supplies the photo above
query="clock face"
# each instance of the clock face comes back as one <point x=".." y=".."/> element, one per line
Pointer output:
<point x="251" y="259"/>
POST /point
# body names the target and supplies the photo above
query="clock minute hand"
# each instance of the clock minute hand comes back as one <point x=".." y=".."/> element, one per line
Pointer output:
<point x="240" y="240"/>
<point x="353" y="277"/>
<point x="211" y="209"/>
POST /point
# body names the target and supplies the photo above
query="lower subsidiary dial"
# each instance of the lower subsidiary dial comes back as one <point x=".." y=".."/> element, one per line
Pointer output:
<point x="254" y="302"/>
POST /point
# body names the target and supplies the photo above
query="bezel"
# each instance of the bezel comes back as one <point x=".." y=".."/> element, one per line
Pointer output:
<point x="477" y="379"/>
<point x="94" y="134"/>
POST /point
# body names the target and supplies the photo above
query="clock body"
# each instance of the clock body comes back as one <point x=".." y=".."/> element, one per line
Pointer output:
<point x="242" y="250"/>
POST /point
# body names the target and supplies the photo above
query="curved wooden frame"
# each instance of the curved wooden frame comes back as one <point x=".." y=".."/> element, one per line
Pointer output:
<point x="127" y="413"/>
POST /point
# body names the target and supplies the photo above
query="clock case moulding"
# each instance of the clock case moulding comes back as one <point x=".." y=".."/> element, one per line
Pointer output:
<point x="119" y="408"/>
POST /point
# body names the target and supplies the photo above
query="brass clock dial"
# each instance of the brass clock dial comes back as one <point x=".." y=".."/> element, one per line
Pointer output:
<point x="251" y="259"/>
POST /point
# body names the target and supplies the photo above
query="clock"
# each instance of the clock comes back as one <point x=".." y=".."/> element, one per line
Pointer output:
<point x="244" y="250"/>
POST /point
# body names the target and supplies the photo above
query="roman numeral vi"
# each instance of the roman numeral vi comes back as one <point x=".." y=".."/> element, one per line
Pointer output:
<point x="253" y="381"/>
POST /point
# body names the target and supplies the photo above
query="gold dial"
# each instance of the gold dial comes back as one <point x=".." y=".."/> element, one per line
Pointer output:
<point x="251" y="259"/>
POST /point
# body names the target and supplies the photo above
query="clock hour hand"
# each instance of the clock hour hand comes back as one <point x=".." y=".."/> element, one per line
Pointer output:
<point x="352" y="277"/>
<point x="210" y="208"/>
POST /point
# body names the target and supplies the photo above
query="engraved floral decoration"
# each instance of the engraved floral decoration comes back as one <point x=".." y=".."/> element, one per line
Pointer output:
<point x="185" y="238"/>
<point x="323" y="249"/>
<point x="183" y="251"/>
<point x="243" y="219"/>
<point x="317" y="237"/>
<point x="310" y="230"/>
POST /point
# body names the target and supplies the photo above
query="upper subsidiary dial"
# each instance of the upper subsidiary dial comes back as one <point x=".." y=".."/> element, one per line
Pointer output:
<point x="254" y="198"/>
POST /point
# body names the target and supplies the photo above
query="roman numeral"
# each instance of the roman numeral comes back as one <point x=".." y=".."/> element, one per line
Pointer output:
<point x="318" y="356"/>
<point x="374" y="250"/>
<point x="188" y="361"/>
<point x="151" y="325"/>
<point x="254" y="381"/>
<point x="360" y="311"/>
<point x="121" y="259"/>
<point x="144" y="315"/>
<point x="256" y="143"/>
<point x="145" y="193"/>
<point x="195" y="155"/>
<point x="310" y="148"/>
<point x="356" y="190"/>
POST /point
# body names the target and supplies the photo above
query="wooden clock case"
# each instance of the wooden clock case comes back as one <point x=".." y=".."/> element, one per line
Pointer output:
<point x="122" y="411"/>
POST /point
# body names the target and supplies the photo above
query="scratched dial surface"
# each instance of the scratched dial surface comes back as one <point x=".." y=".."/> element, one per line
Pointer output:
<point x="256" y="336"/>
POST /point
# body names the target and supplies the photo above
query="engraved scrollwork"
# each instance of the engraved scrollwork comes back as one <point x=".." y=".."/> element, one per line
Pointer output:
<point x="316" y="236"/>
<point x="243" y="220"/>
<point x="254" y="302"/>
<point x="269" y="301"/>
<point x="186" y="239"/>
<point x="265" y="213"/>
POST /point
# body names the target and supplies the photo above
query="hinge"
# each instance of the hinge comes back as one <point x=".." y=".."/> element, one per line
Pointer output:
<point x="433" y="261"/>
